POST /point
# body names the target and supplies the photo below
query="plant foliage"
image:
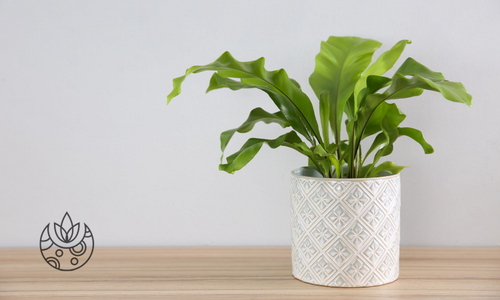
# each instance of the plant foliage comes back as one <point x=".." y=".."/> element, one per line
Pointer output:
<point x="352" y="95"/>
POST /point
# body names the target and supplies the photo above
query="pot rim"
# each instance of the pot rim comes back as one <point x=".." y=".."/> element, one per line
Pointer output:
<point x="295" y="171"/>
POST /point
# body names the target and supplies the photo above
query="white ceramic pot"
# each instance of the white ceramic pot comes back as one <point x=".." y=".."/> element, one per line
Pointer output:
<point x="345" y="232"/>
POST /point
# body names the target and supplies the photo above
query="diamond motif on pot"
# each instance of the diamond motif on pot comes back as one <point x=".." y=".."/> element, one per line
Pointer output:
<point x="394" y="248"/>
<point x="339" y="281"/>
<point x="308" y="215"/>
<point x="357" y="270"/>
<point x="298" y="264"/>
<point x="386" y="232"/>
<point x="322" y="268"/>
<point x="374" y="280"/>
<point x="338" y="187"/>
<point x="395" y="213"/>
<point x="339" y="217"/>
<point x="357" y="199"/>
<point x="387" y="197"/>
<point x="357" y="235"/>
<point x="297" y="196"/>
<point x="372" y="186"/>
<point x="322" y="198"/>
<point x="386" y="267"/>
<point x="322" y="234"/>
<point x="373" y="252"/>
<point x="297" y="230"/>
<point x="396" y="184"/>
<point x="308" y="249"/>
<point x="307" y="185"/>
<point x="373" y="216"/>
<point x="339" y="253"/>
<point x="309" y="278"/>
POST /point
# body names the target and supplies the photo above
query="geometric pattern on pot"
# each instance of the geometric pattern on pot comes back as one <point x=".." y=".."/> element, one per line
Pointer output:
<point x="345" y="232"/>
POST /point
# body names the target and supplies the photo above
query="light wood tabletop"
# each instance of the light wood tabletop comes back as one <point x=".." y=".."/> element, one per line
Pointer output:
<point x="240" y="273"/>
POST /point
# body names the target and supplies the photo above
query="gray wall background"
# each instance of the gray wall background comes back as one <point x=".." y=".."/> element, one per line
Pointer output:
<point x="84" y="127"/>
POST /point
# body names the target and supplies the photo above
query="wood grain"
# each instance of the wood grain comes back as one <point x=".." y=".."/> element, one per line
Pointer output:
<point x="240" y="273"/>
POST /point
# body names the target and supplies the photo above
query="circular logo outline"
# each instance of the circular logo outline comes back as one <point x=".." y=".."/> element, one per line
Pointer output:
<point x="67" y="241"/>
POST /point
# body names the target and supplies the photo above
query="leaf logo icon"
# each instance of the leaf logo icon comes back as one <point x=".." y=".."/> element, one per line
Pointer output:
<point x="66" y="231"/>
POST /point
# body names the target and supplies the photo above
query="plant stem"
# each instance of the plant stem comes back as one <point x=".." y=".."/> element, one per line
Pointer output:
<point x="358" y="163"/>
<point x="337" y="135"/>
<point x="353" y="152"/>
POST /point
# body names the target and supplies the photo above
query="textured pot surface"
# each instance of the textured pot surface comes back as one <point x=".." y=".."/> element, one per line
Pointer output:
<point x="345" y="232"/>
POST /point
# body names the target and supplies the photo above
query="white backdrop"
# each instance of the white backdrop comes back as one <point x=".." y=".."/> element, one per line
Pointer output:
<point x="84" y="127"/>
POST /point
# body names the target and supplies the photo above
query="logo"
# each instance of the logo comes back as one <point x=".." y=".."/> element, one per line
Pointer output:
<point x="66" y="247"/>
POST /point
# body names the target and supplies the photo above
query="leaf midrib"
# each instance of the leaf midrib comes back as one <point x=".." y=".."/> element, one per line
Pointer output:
<point x="263" y="79"/>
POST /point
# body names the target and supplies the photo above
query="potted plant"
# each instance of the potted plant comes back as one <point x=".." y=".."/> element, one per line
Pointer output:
<point x="345" y="205"/>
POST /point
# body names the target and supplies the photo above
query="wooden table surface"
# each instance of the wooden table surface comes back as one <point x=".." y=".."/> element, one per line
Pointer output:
<point x="240" y="273"/>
